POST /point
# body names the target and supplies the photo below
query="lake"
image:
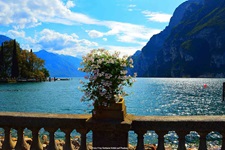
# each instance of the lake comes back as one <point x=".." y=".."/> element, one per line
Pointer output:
<point x="148" y="96"/>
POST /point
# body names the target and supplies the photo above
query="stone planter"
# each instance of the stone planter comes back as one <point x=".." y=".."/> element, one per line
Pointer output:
<point x="116" y="111"/>
<point x="110" y="126"/>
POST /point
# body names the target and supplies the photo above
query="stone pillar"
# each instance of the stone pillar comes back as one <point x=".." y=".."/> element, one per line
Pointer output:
<point x="181" y="135"/>
<point x="8" y="144"/>
<point x="110" y="134"/>
<point x="83" y="132"/>
<point x="161" y="134"/>
<point x="36" y="143"/>
<point x="223" y="140"/>
<point x="52" y="144"/>
<point x="140" y="139"/>
<point x="68" y="144"/>
<point x="21" y="143"/>
<point x="202" y="143"/>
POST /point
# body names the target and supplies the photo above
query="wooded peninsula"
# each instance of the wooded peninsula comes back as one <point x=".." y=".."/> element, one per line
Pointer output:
<point x="20" y="65"/>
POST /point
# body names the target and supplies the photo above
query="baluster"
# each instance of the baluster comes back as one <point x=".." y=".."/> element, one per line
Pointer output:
<point x="161" y="140"/>
<point x="8" y="143"/>
<point x="21" y="143"/>
<point x="181" y="135"/>
<point x="223" y="140"/>
<point x="52" y="144"/>
<point x="36" y="144"/>
<point x="140" y="139"/>
<point x="83" y="132"/>
<point x="202" y="144"/>
<point x="68" y="144"/>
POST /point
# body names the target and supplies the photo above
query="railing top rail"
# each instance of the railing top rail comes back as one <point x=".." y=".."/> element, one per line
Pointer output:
<point x="20" y="119"/>
<point x="44" y="115"/>
<point x="78" y="121"/>
<point x="179" y="123"/>
<point x="202" y="118"/>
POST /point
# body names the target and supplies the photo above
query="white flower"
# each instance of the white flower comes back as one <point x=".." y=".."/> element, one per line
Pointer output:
<point x="111" y="61"/>
<point x="104" y="70"/>
<point x="108" y="76"/>
<point x="123" y="72"/>
<point x="99" y="61"/>
<point x="131" y="61"/>
<point x="123" y="64"/>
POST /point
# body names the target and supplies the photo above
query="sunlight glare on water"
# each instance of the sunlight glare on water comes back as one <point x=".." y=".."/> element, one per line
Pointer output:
<point x="148" y="96"/>
<point x="176" y="96"/>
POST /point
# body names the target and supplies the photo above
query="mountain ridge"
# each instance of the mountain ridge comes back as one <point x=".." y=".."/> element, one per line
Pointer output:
<point x="60" y="65"/>
<point x="4" y="38"/>
<point x="190" y="46"/>
<point x="57" y="65"/>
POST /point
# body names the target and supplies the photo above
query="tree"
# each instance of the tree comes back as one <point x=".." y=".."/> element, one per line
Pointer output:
<point x="46" y="72"/>
<point x="32" y="66"/>
<point x="23" y="63"/>
<point x="7" y="58"/>
<point x="15" y="65"/>
<point x="2" y="66"/>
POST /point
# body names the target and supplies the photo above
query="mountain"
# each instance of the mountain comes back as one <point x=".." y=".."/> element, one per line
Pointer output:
<point x="4" y="38"/>
<point x="192" y="45"/>
<point x="57" y="65"/>
<point x="60" y="65"/>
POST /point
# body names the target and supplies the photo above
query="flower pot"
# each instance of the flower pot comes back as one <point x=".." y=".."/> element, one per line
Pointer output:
<point x="116" y="111"/>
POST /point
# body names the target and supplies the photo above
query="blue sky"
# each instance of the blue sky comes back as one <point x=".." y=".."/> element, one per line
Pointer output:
<point x="74" y="27"/>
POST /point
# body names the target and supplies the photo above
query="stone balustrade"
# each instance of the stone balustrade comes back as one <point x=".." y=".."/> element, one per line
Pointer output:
<point x="182" y="125"/>
<point x="34" y="122"/>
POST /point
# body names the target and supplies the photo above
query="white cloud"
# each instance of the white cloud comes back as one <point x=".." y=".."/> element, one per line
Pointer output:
<point x="54" y="40"/>
<point x="124" y="50"/>
<point x="125" y="32"/>
<point x="69" y="44"/>
<point x="94" y="33"/>
<point x="131" y="7"/>
<point x="15" y="33"/>
<point x="27" y="13"/>
<point x="30" y="13"/>
<point x="70" y="4"/>
<point x="129" y="33"/>
<point x="156" y="16"/>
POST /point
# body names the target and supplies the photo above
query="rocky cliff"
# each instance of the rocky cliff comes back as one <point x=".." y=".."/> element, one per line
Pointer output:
<point x="192" y="45"/>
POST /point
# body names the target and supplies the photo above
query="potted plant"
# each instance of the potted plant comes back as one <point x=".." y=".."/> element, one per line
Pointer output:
<point x="107" y="75"/>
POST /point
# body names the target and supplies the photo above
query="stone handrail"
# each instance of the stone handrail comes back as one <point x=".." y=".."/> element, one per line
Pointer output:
<point x="35" y="121"/>
<point x="182" y="125"/>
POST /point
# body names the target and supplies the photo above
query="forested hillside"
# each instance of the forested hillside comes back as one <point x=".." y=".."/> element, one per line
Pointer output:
<point x="192" y="45"/>
<point x="19" y="64"/>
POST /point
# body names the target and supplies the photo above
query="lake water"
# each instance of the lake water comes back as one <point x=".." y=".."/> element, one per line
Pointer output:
<point x="148" y="96"/>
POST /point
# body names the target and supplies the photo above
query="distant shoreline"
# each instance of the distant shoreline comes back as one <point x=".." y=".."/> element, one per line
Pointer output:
<point x="23" y="80"/>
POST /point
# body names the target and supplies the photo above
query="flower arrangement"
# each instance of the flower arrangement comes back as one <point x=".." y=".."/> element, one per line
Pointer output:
<point x="106" y="75"/>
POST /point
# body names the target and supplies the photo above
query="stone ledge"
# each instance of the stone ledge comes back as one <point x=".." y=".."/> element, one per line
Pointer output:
<point x="39" y="120"/>
<point x="179" y="123"/>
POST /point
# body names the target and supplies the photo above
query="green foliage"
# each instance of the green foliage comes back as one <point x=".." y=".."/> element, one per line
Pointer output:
<point x="213" y="19"/>
<point x="106" y="74"/>
<point x="186" y="45"/>
<point x="17" y="63"/>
